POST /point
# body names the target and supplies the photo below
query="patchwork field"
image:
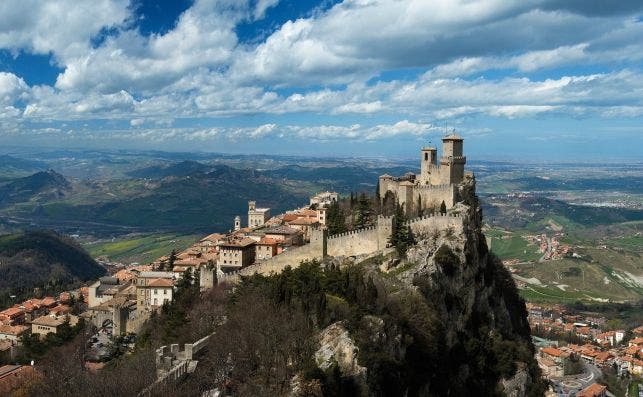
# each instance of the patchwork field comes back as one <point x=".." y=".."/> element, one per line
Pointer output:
<point x="140" y="248"/>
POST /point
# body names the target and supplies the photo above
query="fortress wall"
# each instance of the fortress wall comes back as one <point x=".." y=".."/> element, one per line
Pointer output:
<point x="428" y="224"/>
<point x="353" y="243"/>
<point x="435" y="194"/>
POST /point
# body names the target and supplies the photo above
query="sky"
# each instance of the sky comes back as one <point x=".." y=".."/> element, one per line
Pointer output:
<point x="527" y="79"/>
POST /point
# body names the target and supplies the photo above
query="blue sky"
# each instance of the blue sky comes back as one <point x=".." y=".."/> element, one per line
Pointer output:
<point x="538" y="79"/>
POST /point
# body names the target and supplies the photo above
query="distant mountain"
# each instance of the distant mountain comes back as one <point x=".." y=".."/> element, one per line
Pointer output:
<point x="42" y="259"/>
<point x="48" y="184"/>
<point x="184" y="168"/>
<point x="11" y="167"/>
<point x="197" y="202"/>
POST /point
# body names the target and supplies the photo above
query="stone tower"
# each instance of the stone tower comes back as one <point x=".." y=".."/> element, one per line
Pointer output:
<point x="237" y="223"/>
<point x="252" y="205"/>
<point x="452" y="161"/>
<point x="429" y="170"/>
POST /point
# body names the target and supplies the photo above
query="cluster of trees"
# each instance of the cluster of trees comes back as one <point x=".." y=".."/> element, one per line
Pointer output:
<point x="357" y="212"/>
<point x="34" y="347"/>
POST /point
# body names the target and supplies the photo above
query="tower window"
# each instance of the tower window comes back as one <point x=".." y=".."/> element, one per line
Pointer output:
<point x="426" y="157"/>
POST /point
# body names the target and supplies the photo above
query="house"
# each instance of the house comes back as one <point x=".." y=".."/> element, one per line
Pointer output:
<point x="49" y="324"/>
<point x="324" y="199"/>
<point x="12" y="332"/>
<point x="120" y="311"/>
<point x="161" y="290"/>
<point x="104" y="289"/>
<point x="210" y="242"/>
<point x="12" y="316"/>
<point x="550" y="368"/>
<point x="266" y="248"/>
<point x="235" y="254"/>
<point x="556" y="355"/>
<point x="593" y="390"/>
<point x="153" y="289"/>
<point x="60" y="310"/>
<point x="285" y="235"/>
<point x="305" y="225"/>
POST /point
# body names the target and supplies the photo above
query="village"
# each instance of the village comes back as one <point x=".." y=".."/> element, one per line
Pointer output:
<point x="574" y="350"/>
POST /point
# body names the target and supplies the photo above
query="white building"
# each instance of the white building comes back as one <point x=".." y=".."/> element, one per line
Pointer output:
<point x="257" y="216"/>
<point x="324" y="199"/>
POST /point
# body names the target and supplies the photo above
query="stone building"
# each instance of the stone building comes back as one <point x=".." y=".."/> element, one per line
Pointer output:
<point x="235" y="254"/>
<point x="437" y="182"/>
<point x="256" y="216"/>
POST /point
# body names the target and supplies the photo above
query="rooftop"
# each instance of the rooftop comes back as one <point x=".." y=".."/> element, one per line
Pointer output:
<point x="242" y="243"/>
<point x="49" y="321"/>
<point x="161" y="283"/>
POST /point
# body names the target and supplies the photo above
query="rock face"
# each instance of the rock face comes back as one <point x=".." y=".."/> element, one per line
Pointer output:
<point x="337" y="348"/>
<point x="481" y="322"/>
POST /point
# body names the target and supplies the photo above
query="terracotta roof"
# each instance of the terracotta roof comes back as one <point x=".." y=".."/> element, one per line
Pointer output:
<point x="552" y="351"/>
<point x="49" y="321"/>
<point x="267" y="241"/>
<point x="282" y="230"/>
<point x="244" y="242"/>
<point x="290" y="217"/>
<point x="592" y="390"/>
<point x="48" y="301"/>
<point x="161" y="282"/>
<point x="13" y="329"/>
<point x="303" y="221"/>
<point x="12" y="312"/>
<point x="60" y="309"/>
<point x="636" y="341"/>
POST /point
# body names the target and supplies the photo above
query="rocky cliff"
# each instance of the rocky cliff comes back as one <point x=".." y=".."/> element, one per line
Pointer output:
<point x="475" y="327"/>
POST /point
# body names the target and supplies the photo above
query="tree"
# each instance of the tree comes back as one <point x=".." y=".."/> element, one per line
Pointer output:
<point x="335" y="219"/>
<point x="401" y="234"/>
<point x="443" y="208"/>
<point x="420" y="209"/>
<point x="363" y="212"/>
<point x="171" y="260"/>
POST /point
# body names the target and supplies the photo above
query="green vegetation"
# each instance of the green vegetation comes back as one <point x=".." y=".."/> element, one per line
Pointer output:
<point x="512" y="246"/>
<point x="34" y="347"/>
<point x="42" y="259"/>
<point x="141" y="249"/>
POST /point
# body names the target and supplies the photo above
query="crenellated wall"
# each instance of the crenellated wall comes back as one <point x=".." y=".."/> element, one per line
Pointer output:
<point x="354" y="243"/>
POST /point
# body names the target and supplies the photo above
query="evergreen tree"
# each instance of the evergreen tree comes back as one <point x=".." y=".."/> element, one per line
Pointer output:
<point x="443" y="208"/>
<point x="363" y="212"/>
<point x="401" y="235"/>
<point x="420" y="208"/>
<point x="335" y="219"/>
<point x="171" y="260"/>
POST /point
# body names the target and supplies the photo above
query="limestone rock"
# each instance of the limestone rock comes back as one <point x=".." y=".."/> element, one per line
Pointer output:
<point x="336" y="345"/>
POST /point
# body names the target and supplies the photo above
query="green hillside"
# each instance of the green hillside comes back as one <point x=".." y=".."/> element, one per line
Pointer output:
<point x="42" y="259"/>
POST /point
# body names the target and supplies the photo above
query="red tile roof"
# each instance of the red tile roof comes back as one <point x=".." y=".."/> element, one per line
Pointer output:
<point x="161" y="282"/>
<point x="593" y="390"/>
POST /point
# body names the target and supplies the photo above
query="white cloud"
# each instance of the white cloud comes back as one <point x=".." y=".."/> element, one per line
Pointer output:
<point x="62" y="27"/>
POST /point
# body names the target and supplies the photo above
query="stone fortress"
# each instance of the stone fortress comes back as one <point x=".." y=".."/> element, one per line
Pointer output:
<point x="420" y="195"/>
<point x="436" y="183"/>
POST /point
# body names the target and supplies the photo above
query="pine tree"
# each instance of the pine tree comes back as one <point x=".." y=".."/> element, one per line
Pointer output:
<point x="443" y="208"/>
<point x="171" y="260"/>
<point x="399" y="233"/>
<point x="363" y="212"/>
<point x="335" y="219"/>
<point x="420" y="209"/>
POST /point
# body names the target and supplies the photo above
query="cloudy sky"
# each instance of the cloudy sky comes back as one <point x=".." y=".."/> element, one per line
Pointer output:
<point x="536" y="79"/>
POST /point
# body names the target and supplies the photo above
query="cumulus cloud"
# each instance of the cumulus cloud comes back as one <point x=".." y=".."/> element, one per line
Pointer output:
<point x="63" y="27"/>
<point x="329" y="64"/>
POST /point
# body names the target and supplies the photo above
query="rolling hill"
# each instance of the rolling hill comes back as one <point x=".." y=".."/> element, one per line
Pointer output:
<point x="42" y="259"/>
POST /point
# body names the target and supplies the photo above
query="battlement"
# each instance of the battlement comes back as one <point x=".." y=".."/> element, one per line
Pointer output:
<point x="442" y="186"/>
<point x="357" y="231"/>
<point x="453" y="159"/>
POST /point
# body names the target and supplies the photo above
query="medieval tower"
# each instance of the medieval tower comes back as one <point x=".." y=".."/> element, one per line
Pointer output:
<point x="437" y="182"/>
